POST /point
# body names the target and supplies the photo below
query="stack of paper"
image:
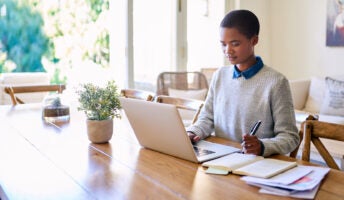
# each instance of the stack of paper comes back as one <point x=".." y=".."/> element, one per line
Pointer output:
<point x="299" y="182"/>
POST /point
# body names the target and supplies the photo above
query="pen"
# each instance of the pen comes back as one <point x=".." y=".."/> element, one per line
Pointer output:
<point x="255" y="127"/>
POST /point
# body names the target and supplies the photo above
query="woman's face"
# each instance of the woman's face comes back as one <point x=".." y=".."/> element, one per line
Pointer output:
<point x="238" y="48"/>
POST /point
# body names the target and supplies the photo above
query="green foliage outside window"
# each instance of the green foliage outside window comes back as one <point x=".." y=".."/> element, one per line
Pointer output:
<point x="97" y="7"/>
<point x="79" y="33"/>
<point x="53" y="36"/>
<point x="22" y="40"/>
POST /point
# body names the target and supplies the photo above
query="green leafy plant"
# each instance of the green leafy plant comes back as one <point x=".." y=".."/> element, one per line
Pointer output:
<point x="99" y="103"/>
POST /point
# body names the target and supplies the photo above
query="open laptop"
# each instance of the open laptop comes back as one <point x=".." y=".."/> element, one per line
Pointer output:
<point x="159" y="127"/>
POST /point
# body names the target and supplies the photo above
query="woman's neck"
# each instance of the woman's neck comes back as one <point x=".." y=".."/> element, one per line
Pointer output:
<point x="247" y="64"/>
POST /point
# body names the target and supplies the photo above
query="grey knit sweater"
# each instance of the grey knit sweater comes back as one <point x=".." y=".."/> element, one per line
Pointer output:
<point x="233" y="105"/>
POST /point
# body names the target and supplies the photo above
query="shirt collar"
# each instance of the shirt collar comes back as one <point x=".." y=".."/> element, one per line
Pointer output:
<point x="250" y="72"/>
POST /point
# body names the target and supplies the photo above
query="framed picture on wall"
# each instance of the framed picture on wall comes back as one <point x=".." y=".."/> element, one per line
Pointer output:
<point x="335" y="23"/>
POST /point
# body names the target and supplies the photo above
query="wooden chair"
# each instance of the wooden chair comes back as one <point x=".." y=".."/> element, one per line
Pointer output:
<point x="137" y="94"/>
<point x="182" y="103"/>
<point x="314" y="130"/>
<point x="13" y="90"/>
<point x="293" y="154"/>
<point x="180" y="81"/>
<point x="208" y="72"/>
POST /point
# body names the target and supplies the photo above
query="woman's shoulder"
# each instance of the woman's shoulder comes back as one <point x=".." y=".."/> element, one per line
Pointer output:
<point x="272" y="73"/>
<point x="226" y="68"/>
<point x="224" y="71"/>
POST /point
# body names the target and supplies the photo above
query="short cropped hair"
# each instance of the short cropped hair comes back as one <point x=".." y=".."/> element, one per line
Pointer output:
<point x="245" y="21"/>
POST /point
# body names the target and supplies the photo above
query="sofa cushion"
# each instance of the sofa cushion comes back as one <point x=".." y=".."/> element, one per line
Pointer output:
<point x="333" y="103"/>
<point x="301" y="116"/>
<point x="299" y="92"/>
<point x="315" y="95"/>
<point x="331" y="119"/>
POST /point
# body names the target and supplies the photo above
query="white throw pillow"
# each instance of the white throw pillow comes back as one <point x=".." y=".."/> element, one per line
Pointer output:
<point x="333" y="103"/>
<point x="189" y="94"/>
<point x="316" y="95"/>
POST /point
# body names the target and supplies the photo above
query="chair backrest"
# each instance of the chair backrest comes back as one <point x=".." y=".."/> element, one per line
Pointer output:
<point x="13" y="90"/>
<point x="182" y="103"/>
<point x="180" y="81"/>
<point x="137" y="94"/>
<point x="314" y="130"/>
<point x="208" y="72"/>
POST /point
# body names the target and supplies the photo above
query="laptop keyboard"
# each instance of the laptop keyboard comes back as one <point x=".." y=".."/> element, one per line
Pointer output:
<point x="202" y="152"/>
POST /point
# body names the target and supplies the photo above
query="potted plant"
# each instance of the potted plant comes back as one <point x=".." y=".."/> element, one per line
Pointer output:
<point x="101" y="105"/>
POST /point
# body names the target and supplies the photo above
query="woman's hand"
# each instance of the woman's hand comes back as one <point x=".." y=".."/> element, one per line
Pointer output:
<point x="193" y="137"/>
<point x="251" y="144"/>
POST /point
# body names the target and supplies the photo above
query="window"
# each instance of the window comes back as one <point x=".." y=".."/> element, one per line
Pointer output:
<point x="153" y="36"/>
<point x="146" y="37"/>
<point x="163" y="36"/>
<point x="203" y="20"/>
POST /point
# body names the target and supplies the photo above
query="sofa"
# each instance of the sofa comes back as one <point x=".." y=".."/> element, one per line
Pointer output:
<point x="24" y="78"/>
<point x="324" y="97"/>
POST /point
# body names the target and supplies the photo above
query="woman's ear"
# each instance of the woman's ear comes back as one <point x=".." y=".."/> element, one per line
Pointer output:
<point x="254" y="40"/>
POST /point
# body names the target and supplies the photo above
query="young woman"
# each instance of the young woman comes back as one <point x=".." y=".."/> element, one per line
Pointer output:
<point x="245" y="92"/>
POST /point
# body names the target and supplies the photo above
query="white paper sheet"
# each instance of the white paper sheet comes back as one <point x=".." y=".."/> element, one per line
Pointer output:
<point x="308" y="182"/>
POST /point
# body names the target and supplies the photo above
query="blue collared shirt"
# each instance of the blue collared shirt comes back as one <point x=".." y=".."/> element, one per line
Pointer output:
<point x="250" y="71"/>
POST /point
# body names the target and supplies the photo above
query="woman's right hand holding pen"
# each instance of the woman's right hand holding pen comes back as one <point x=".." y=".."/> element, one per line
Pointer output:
<point x="250" y="143"/>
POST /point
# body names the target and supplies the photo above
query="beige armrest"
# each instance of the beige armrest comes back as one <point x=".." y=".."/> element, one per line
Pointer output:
<point x="299" y="91"/>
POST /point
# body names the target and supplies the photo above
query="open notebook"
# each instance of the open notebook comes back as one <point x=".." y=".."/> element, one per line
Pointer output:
<point x="159" y="127"/>
<point x="248" y="164"/>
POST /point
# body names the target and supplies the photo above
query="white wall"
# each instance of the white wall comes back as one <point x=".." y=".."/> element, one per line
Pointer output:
<point x="295" y="38"/>
<point x="299" y="39"/>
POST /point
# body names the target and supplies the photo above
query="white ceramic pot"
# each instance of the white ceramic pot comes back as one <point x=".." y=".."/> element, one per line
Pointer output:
<point x="99" y="131"/>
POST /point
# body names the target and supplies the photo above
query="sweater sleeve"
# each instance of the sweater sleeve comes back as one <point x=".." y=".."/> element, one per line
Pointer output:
<point x="286" y="137"/>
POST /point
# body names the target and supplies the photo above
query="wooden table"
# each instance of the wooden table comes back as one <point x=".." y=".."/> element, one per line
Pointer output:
<point x="45" y="161"/>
